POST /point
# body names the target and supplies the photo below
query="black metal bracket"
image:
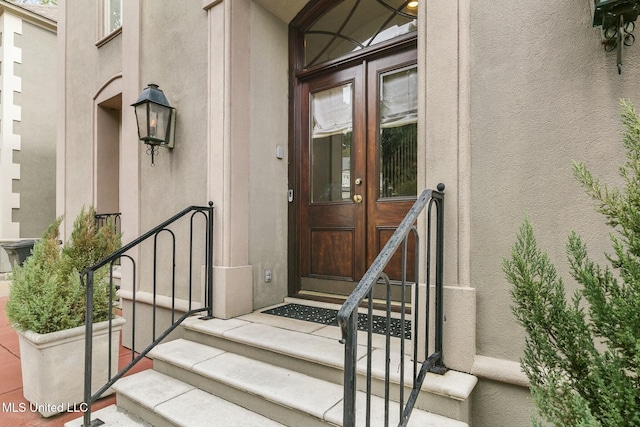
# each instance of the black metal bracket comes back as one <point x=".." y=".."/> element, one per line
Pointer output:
<point x="617" y="18"/>
<point x="617" y="36"/>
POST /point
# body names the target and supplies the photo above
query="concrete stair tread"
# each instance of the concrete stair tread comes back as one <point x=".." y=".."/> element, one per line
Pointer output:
<point x="187" y="410"/>
<point x="418" y="417"/>
<point x="290" y="337"/>
<point x="302" y="345"/>
<point x="184" y="405"/>
<point x="150" y="388"/>
<point x="112" y="416"/>
<point x="281" y="386"/>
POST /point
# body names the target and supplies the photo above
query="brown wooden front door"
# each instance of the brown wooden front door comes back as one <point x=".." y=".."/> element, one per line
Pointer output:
<point x="358" y="168"/>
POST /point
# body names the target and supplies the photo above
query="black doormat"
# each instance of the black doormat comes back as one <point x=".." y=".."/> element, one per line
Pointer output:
<point x="327" y="316"/>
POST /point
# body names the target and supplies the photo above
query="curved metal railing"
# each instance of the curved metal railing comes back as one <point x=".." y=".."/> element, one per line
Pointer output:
<point x="87" y="279"/>
<point x="420" y="329"/>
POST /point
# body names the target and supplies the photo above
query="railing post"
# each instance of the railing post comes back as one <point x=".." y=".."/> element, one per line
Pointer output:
<point x="439" y="279"/>
<point x="350" y="360"/>
<point x="88" y="351"/>
<point x="210" y="261"/>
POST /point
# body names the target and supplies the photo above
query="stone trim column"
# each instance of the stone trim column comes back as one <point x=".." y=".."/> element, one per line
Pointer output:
<point x="444" y="147"/>
<point x="228" y="153"/>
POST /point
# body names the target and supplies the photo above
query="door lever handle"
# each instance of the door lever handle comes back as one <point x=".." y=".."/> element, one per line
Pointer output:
<point x="357" y="198"/>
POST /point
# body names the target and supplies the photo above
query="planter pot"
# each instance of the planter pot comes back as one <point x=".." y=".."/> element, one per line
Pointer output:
<point x="53" y="365"/>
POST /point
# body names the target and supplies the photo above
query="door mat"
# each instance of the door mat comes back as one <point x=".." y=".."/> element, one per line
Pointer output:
<point x="327" y="316"/>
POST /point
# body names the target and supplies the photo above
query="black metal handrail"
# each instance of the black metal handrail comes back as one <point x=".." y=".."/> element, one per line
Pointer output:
<point x="112" y="218"/>
<point x="87" y="279"/>
<point x="103" y="219"/>
<point x="375" y="275"/>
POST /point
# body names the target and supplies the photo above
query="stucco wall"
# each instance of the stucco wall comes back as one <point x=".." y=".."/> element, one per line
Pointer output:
<point x="10" y="112"/>
<point x="268" y="179"/>
<point x="547" y="97"/>
<point x="87" y="68"/>
<point x="175" y="59"/>
<point x="543" y="93"/>
<point x="37" y="153"/>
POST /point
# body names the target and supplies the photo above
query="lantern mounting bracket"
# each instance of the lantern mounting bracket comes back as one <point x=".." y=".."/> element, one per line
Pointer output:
<point x="617" y="21"/>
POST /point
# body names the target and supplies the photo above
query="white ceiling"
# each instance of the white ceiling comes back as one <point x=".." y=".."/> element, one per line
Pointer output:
<point x="283" y="9"/>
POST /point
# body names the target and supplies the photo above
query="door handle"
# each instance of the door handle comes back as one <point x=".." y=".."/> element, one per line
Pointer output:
<point x="357" y="198"/>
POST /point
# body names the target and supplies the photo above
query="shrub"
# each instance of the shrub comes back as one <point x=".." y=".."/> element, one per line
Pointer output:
<point x="46" y="294"/>
<point x="582" y="355"/>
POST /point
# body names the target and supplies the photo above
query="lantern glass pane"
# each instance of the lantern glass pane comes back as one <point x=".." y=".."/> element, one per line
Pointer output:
<point x="159" y="116"/>
<point x="142" y="118"/>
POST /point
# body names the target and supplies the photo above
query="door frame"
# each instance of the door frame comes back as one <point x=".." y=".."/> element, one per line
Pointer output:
<point x="297" y="76"/>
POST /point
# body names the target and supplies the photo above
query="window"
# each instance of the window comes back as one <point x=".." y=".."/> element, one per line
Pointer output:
<point x="354" y="25"/>
<point x="110" y="18"/>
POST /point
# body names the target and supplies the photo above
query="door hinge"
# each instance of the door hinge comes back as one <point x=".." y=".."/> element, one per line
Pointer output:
<point x="290" y="195"/>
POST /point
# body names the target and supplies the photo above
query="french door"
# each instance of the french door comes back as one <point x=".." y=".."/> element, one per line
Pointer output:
<point x="358" y="168"/>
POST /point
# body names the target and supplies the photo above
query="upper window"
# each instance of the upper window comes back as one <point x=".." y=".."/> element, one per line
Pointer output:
<point x="110" y="17"/>
<point x="353" y="25"/>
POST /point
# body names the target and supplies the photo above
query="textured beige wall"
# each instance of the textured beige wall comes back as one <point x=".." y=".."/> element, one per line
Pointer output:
<point x="86" y="69"/>
<point x="175" y="59"/>
<point x="178" y="60"/>
<point x="543" y="93"/>
<point x="11" y="28"/>
<point x="268" y="174"/>
<point x="37" y="153"/>
<point x="544" y="98"/>
<point x="501" y="405"/>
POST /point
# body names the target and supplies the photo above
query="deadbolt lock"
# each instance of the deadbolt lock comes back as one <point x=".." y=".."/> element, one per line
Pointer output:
<point x="358" y="181"/>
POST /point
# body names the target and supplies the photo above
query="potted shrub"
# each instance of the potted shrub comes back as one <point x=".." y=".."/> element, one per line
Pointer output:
<point x="47" y="308"/>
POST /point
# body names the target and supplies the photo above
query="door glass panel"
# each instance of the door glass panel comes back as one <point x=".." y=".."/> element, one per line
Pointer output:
<point x="331" y="124"/>
<point x="398" y="140"/>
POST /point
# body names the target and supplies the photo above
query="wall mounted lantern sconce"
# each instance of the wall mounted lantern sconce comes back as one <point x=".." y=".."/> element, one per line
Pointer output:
<point x="156" y="120"/>
<point x="617" y="19"/>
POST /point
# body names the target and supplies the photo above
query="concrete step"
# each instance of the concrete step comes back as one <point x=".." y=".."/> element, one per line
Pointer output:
<point x="164" y="401"/>
<point x="314" y="350"/>
<point x="265" y="370"/>
<point x="290" y="397"/>
<point x="112" y="416"/>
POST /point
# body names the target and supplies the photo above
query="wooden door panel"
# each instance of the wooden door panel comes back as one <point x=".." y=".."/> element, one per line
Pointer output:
<point x="333" y="253"/>
<point x="331" y="215"/>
